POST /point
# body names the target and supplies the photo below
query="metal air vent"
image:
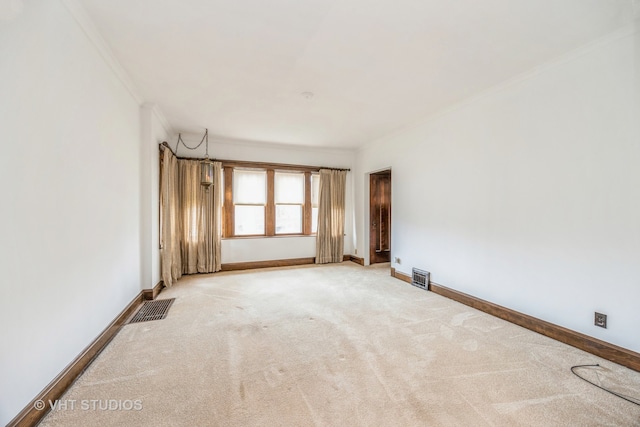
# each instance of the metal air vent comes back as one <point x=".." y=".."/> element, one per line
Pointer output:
<point x="153" y="310"/>
<point x="420" y="278"/>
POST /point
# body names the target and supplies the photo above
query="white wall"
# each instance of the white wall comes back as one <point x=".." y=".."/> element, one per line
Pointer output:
<point x="267" y="248"/>
<point x="70" y="217"/>
<point x="527" y="196"/>
<point x="154" y="130"/>
<point x="281" y="247"/>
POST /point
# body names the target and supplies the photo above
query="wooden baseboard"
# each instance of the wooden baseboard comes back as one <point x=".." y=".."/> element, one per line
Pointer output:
<point x="608" y="351"/>
<point x="265" y="264"/>
<point x="151" y="294"/>
<point x="280" y="263"/>
<point x="30" y="416"/>
<point x="400" y="275"/>
<point x="355" y="259"/>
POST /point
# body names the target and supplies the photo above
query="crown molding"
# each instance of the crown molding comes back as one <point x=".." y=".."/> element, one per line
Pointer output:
<point x="87" y="25"/>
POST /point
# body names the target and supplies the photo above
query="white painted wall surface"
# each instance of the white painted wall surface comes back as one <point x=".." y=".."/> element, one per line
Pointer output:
<point x="70" y="217"/>
<point x="267" y="249"/>
<point x="527" y="196"/>
<point x="154" y="130"/>
<point x="275" y="248"/>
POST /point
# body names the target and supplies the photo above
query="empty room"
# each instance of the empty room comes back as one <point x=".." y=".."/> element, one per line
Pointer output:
<point x="320" y="213"/>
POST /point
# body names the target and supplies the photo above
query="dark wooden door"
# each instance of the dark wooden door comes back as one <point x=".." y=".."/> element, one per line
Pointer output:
<point x="380" y="217"/>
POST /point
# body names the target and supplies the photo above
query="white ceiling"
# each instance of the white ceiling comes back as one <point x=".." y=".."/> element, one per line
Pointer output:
<point x="239" y="67"/>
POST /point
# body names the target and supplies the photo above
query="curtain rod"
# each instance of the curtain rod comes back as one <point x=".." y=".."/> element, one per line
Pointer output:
<point x="165" y="145"/>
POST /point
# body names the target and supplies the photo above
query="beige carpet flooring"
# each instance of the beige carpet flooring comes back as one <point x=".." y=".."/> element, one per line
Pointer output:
<point x="339" y="345"/>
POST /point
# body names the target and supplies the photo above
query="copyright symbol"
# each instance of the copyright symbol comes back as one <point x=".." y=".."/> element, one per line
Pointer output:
<point x="39" y="405"/>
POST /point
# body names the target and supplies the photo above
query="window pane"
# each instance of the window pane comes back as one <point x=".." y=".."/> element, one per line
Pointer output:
<point x="289" y="187"/>
<point x="249" y="187"/>
<point x="314" y="220"/>
<point x="249" y="220"/>
<point x="288" y="219"/>
<point x="315" y="189"/>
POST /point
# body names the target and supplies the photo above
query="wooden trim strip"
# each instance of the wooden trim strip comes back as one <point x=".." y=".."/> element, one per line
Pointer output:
<point x="151" y="294"/>
<point x="400" y="275"/>
<point x="266" y="264"/>
<point x="250" y="265"/>
<point x="30" y="416"/>
<point x="229" y="209"/>
<point x="270" y="207"/>
<point x="307" y="209"/>
<point x="608" y="351"/>
<point x="355" y="259"/>
<point x="273" y="166"/>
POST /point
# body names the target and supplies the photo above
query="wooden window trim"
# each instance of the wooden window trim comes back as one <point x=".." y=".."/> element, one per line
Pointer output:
<point x="228" y="226"/>
<point x="229" y="208"/>
<point x="266" y="166"/>
<point x="307" y="208"/>
<point x="270" y="211"/>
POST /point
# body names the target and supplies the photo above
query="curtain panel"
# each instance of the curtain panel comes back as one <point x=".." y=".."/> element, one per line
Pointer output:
<point x="330" y="234"/>
<point x="170" y="260"/>
<point x="191" y="219"/>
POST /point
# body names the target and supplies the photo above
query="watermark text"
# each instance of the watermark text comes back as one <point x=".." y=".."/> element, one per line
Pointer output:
<point x="89" y="405"/>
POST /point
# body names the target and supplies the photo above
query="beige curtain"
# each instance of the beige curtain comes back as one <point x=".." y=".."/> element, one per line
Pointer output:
<point x="330" y="235"/>
<point x="191" y="219"/>
<point x="170" y="259"/>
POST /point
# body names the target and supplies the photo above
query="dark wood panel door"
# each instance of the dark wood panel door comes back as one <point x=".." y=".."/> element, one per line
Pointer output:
<point x="380" y="217"/>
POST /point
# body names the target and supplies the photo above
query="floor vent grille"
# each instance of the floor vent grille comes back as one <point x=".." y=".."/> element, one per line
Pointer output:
<point x="153" y="310"/>
<point x="420" y="278"/>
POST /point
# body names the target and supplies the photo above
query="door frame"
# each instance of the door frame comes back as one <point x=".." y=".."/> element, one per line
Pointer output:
<point x="367" y="206"/>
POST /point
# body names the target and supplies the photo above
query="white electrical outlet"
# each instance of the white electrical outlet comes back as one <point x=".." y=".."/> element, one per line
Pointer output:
<point x="397" y="260"/>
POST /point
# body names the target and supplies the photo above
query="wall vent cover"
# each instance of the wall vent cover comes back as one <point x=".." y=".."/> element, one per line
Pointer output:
<point x="420" y="278"/>
<point x="153" y="310"/>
